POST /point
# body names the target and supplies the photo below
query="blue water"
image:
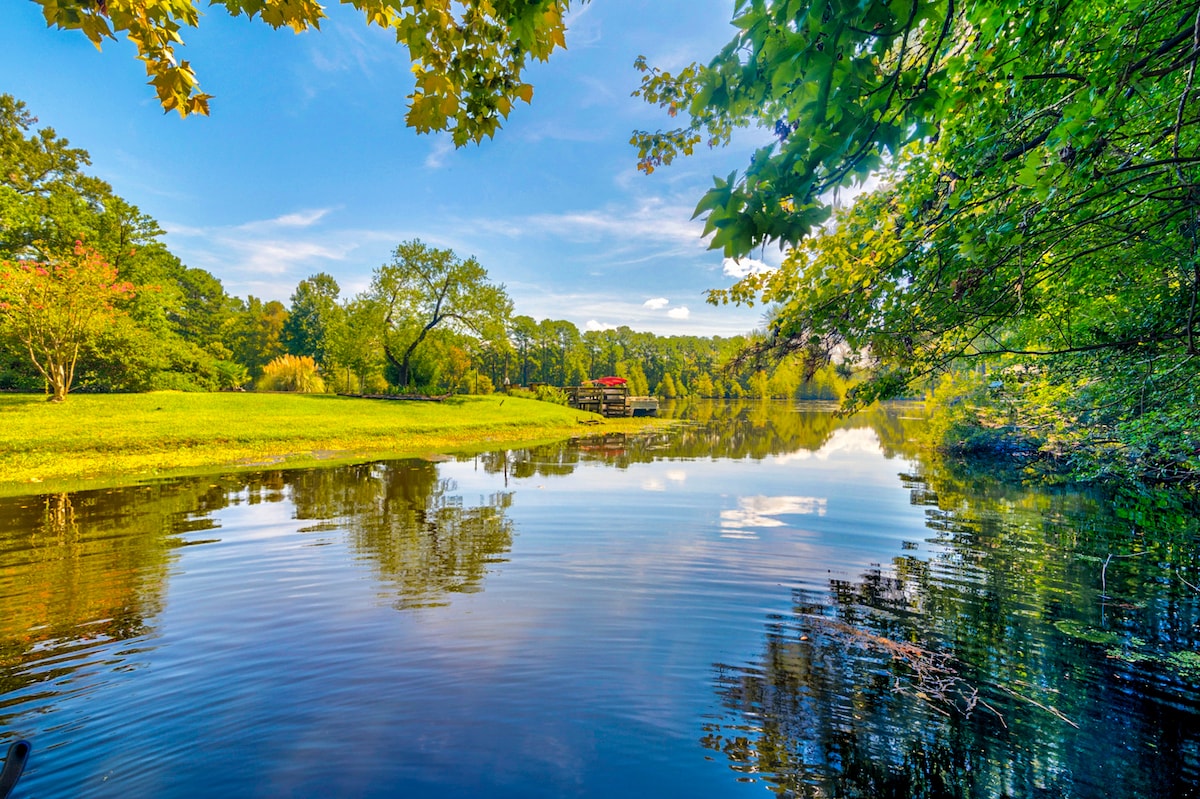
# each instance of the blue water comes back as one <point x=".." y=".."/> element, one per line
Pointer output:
<point x="564" y="621"/>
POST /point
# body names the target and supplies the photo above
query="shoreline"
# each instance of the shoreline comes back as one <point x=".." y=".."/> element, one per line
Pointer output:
<point x="104" y="440"/>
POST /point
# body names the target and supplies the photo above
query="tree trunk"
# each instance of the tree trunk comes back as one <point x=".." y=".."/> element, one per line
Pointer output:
<point x="58" y="382"/>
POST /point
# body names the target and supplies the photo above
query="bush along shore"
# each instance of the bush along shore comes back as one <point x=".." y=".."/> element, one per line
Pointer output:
<point x="1061" y="437"/>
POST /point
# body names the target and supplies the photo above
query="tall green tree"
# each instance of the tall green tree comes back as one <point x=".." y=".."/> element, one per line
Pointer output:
<point x="356" y="346"/>
<point x="313" y="318"/>
<point x="522" y="332"/>
<point x="424" y="289"/>
<point x="468" y="58"/>
<point x="254" y="333"/>
<point x="169" y="337"/>
<point x="47" y="203"/>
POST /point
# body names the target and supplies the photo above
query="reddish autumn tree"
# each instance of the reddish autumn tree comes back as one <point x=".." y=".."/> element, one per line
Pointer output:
<point x="53" y="309"/>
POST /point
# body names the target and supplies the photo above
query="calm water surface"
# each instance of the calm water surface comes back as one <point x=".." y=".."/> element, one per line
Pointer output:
<point x="764" y="599"/>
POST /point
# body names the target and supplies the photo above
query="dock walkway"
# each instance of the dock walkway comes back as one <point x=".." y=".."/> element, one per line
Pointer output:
<point x="610" y="401"/>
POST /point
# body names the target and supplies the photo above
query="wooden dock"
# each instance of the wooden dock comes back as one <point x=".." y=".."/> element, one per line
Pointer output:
<point x="610" y="401"/>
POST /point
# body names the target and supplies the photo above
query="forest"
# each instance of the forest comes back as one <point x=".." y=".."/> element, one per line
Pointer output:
<point x="92" y="300"/>
<point x="1018" y="233"/>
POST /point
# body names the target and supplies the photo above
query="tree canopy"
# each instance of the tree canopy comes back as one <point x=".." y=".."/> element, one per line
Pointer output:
<point x="468" y="57"/>
<point x="1037" y="195"/>
<point x="168" y="334"/>
<point x="425" y="288"/>
<point x="53" y="309"/>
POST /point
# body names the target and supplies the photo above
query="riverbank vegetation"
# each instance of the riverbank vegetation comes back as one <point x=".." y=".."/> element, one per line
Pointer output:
<point x="1023" y="240"/>
<point x="95" y="437"/>
<point x="86" y="277"/>
<point x="1031" y="228"/>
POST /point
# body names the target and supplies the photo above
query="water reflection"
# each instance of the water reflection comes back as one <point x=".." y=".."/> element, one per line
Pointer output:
<point x="81" y="574"/>
<point x="410" y="524"/>
<point x="716" y="430"/>
<point x="544" y="622"/>
<point x="1043" y="649"/>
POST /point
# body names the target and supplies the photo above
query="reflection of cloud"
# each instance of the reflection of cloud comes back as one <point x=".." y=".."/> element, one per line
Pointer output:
<point x="862" y="439"/>
<point x="681" y="312"/>
<point x="653" y="484"/>
<point x="676" y="475"/>
<point x="656" y="304"/>
<point x="760" y="511"/>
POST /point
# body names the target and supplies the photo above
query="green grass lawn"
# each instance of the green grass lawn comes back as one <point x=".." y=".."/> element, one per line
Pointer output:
<point x="103" y="437"/>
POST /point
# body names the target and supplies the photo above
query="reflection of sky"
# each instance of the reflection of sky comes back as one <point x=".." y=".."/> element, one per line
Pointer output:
<point x="582" y="667"/>
<point x="763" y="511"/>
<point x="855" y="440"/>
<point x="660" y="569"/>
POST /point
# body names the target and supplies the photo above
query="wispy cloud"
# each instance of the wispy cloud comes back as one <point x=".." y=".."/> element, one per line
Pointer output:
<point x="342" y="47"/>
<point x="649" y="228"/>
<point x="270" y="254"/>
<point x="296" y="219"/>
<point x="442" y="147"/>
<point x="580" y="32"/>
<point x="656" y="304"/>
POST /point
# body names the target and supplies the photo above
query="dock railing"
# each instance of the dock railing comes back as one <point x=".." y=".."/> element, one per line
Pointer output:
<point x="604" y="400"/>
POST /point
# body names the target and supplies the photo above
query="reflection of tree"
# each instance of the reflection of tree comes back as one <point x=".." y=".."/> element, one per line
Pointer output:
<point x="81" y="570"/>
<point x="410" y="524"/>
<point x="715" y="429"/>
<point x="1078" y="694"/>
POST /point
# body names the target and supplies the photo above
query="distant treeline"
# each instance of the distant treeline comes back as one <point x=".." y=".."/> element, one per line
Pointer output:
<point x="92" y="297"/>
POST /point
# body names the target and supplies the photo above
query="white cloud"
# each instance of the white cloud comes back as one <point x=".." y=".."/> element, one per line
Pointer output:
<point x="649" y="223"/>
<point x="679" y="313"/>
<point x="344" y="48"/>
<point x="278" y="257"/>
<point x="592" y="324"/>
<point x="656" y="304"/>
<point x="740" y="267"/>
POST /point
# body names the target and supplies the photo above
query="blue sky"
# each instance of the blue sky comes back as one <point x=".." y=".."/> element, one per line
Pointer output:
<point x="305" y="164"/>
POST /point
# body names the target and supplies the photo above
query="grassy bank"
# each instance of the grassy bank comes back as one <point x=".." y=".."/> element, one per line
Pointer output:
<point x="106" y="438"/>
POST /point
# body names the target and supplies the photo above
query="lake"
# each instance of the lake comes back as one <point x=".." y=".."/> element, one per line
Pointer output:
<point x="762" y="600"/>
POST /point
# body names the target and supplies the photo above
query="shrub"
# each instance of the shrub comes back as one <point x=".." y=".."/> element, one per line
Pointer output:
<point x="292" y="373"/>
<point x="230" y="375"/>
<point x="550" y="394"/>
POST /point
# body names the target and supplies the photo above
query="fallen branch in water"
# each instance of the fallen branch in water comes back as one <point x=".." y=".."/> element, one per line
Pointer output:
<point x="1049" y="709"/>
<point x="933" y="673"/>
